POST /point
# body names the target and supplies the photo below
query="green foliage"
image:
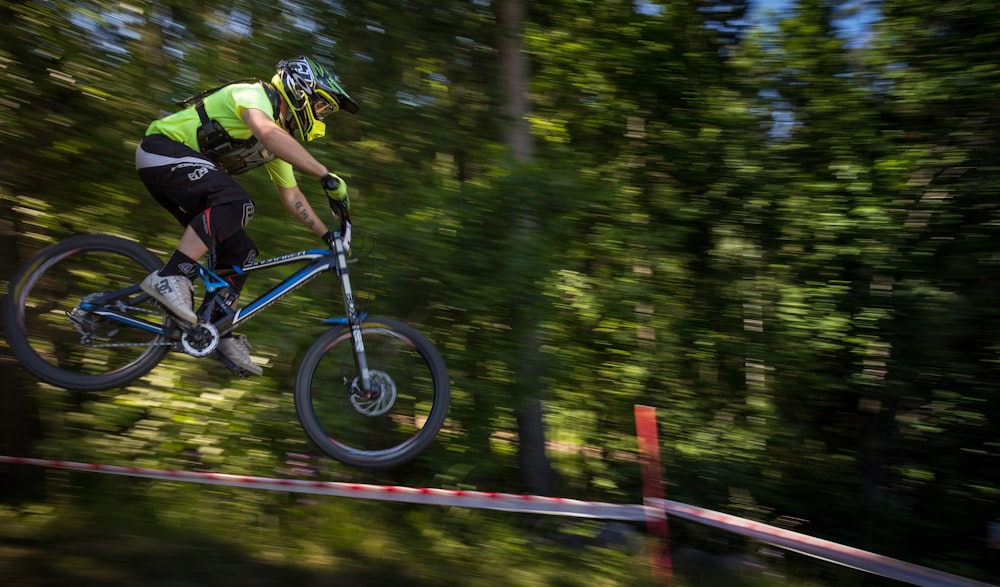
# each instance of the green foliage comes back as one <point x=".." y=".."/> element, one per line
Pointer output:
<point x="198" y="534"/>
<point x="783" y="241"/>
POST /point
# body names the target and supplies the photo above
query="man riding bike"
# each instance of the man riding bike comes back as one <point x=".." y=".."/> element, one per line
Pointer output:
<point x="188" y="158"/>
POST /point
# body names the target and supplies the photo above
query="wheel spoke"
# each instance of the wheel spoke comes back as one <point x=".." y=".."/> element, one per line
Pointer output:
<point x="66" y="345"/>
<point x="391" y="421"/>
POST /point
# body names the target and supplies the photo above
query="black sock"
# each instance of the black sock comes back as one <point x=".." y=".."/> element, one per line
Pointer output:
<point x="180" y="264"/>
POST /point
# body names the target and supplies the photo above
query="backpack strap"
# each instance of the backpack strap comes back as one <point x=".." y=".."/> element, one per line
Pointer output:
<point x="212" y="136"/>
<point x="214" y="141"/>
<point x="185" y="102"/>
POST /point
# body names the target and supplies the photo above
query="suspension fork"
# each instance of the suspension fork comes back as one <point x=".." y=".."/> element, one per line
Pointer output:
<point x="353" y="319"/>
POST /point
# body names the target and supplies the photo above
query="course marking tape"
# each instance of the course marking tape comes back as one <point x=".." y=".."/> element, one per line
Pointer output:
<point x="653" y="509"/>
<point x="817" y="547"/>
<point x="536" y="504"/>
<point x="793" y="541"/>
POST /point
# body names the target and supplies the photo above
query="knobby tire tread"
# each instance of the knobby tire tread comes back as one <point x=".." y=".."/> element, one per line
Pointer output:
<point x="389" y="457"/>
<point x="17" y="339"/>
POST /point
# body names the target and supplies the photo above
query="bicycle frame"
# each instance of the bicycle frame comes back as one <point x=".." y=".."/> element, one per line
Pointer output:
<point x="321" y="261"/>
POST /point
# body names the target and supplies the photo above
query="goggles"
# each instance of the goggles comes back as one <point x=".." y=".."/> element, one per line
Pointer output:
<point x="322" y="108"/>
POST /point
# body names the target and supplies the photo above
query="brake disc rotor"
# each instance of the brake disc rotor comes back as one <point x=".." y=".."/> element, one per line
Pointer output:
<point x="379" y="399"/>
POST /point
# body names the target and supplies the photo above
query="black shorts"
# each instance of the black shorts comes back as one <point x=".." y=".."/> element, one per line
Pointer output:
<point x="182" y="180"/>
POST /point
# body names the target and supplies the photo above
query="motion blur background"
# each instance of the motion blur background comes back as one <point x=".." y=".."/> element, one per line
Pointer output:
<point x="779" y="224"/>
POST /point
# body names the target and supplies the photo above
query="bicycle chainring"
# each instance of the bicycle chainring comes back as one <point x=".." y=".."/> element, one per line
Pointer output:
<point x="200" y="340"/>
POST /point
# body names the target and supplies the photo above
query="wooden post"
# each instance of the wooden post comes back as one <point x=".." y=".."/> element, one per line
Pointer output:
<point x="652" y="487"/>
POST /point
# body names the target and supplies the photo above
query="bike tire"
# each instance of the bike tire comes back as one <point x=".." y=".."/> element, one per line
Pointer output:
<point x="350" y="430"/>
<point x="53" y="282"/>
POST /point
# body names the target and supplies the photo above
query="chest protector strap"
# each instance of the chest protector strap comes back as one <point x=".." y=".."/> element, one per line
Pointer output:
<point x="234" y="155"/>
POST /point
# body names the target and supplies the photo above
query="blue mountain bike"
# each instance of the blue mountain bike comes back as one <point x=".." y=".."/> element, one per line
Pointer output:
<point x="369" y="392"/>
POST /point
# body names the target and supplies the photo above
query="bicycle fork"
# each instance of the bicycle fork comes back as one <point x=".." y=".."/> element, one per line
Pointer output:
<point x="353" y="320"/>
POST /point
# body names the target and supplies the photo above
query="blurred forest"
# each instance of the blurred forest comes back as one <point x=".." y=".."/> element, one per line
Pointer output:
<point x="780" y="230"/>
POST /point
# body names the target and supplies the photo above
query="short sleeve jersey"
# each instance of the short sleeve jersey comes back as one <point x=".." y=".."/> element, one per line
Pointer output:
<point x="226" y="106"/>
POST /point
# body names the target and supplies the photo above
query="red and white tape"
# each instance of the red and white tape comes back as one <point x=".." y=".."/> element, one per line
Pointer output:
<point x="817" y="547"/>
<point x="448" y="497"/>
<point x="653" y="512"/>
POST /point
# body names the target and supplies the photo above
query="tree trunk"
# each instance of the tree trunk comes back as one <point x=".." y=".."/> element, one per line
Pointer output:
<point x="536" y="470"/>
<point x="19" y="424"/>
<point x="514" y="77"/>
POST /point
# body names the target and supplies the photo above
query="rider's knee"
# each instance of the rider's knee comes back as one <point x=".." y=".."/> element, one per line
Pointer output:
<point x="218" y="224"/>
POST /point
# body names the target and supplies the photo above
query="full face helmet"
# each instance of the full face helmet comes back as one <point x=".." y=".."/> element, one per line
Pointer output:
<point x="311" y="93"/>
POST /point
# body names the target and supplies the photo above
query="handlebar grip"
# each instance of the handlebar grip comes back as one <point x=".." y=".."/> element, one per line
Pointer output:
<point x="340" y="212"/>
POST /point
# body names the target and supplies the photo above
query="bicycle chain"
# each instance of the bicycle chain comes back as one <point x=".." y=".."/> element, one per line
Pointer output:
<point x="136" y="310"/>
<point x="126" y="344"/>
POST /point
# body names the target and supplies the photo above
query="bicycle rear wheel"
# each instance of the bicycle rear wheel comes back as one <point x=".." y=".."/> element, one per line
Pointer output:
<point x="46" y="330"/>
<point x="388" y="427"/>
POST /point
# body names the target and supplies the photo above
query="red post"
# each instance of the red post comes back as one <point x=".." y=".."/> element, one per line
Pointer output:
<point x="652" y="487"/>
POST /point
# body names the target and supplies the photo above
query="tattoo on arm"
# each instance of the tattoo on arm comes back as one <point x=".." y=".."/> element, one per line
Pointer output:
<point x="308" y="220"/>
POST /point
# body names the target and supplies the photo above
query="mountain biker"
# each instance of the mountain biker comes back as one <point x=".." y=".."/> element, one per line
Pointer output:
<point x="187" y="159"/>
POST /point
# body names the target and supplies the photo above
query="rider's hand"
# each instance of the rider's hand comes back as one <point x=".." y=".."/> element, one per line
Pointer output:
<point x="345" y="238"/>
<point x="336" y="188"/>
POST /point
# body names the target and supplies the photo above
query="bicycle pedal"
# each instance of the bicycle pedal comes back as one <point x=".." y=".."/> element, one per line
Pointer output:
<point x="239" y="371"/>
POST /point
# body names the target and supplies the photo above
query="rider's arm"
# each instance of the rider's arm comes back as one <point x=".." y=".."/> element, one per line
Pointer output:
<point x="295" y="202"/>
<point x="283" y="145"/>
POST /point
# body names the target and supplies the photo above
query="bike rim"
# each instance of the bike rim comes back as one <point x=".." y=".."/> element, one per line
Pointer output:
<point x="355" y="425"/>
<point x="50" y="293"/>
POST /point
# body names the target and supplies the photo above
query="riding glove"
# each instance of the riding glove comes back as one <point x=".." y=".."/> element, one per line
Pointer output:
<point x="336" y="188"/>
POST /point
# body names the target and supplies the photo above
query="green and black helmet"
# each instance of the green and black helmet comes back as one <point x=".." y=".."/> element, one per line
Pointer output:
<point x="311" y="92"/>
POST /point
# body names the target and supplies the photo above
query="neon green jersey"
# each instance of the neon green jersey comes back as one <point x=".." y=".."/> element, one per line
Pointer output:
<point x="226" y="106"/>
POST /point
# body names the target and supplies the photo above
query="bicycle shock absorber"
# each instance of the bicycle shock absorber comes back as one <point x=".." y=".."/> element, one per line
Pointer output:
<point x="360" y="360"/>
<point x="218" y="309"/>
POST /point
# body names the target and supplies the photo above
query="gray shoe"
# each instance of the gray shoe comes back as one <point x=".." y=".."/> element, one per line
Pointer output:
<point x="175" y="292"/>
<point x="237" y="349"/>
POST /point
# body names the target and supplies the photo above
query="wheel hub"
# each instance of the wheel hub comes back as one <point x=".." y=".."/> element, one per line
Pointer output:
<point x="380" y="397"/>
<point x="90" y="325"/>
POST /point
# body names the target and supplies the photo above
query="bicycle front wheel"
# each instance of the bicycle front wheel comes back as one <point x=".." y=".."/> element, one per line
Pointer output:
<point x="61" y="344"/>
<point x="396" y="418"/>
